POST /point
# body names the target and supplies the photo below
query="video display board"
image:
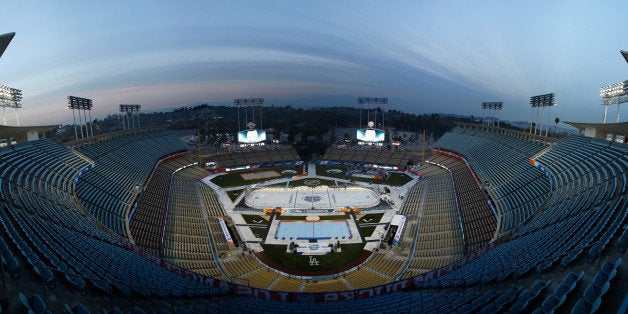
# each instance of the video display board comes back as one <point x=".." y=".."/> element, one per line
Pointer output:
<point x="251" y="136"/>
<point x="370" y="135"/>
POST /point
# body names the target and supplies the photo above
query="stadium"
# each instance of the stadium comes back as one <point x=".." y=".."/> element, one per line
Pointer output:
<point x="487" y="220"/>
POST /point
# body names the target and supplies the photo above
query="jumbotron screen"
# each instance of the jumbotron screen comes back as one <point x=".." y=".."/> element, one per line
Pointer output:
<point x="370" y="135"/>
<point x="251" y="136"/>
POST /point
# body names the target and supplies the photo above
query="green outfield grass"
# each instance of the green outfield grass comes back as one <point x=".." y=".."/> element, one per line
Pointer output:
<point x="232" y="179"/>
<point x="259" y="231"/>
<point x="321" y="170"/>
<point x="367" y="231"/>
<point x="233" y="195"/>
<point x="371" y="218"/>
<point x="254" y="220"/>
<point x="394" y="179"/>
<point x="397" y="179"/>
<point x="277" y="253"/>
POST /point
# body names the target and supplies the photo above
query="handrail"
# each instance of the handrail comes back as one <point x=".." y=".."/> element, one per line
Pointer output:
<point x="212" y="247"/>
<point x="453" y="183"/>
<point x="416" y="234"/>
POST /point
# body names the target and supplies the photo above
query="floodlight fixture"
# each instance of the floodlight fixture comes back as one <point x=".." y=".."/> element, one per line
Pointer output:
<point x="10" y="98"/>
<point x="493" y="107"/>
<point x="614" y="90"/>
<point x="370" y="102"/>
<point x="614" y="94"/>
<point x="246" y="103"/>
<point x="81" y="104"/>
<point x="129" y="108"/>
<point x="539" y="103"/>
<point x="546" y="100"/>
<point x="128" y="111"/>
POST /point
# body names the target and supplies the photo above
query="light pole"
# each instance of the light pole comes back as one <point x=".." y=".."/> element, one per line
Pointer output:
<point x="84" y="104"/>
<point x="541" y="101"/>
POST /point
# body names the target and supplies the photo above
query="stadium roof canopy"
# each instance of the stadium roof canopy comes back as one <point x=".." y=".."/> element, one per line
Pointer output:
<point x="4" y="42"/>
<point x="625" y="54"/>
<point x="600" y="130"/>
<point x="20" y="134"/>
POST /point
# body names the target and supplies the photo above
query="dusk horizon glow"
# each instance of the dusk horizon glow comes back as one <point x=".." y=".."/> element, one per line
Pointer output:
<point x="444" y="57"/>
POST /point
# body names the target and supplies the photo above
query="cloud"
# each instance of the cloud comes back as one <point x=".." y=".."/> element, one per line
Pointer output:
<point x="429" y="55"/>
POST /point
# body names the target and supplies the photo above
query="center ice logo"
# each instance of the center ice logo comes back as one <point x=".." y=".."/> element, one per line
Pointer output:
<point x="312" y="198"/>
<point x="312" y="182"/>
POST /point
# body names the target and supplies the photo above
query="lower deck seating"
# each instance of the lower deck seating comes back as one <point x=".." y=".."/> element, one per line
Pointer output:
<point x="478" y="218"/>
<point x="187" y="234"/>
<point x="433" y="233"/>
<point x="147" y="221"/>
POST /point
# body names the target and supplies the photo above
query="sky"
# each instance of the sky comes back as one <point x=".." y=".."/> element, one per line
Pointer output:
<point x="425" y="56"/>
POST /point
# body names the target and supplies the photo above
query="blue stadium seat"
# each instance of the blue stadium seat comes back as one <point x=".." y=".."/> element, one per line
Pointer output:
<point x="77" y="309"/>
<point x="34" y="304"/>
<point x="585" y="307"/>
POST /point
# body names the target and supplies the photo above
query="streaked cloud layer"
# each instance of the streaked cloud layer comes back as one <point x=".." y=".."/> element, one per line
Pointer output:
<point x="426" y="56"/>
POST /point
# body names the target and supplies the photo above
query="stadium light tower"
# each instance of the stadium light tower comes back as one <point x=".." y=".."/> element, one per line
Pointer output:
<point x="128" y="111"/>
<point x="493" y="107"/>
<point x="248" y="103"/>
<point x="372" y="101"/>
<point x="81" y="104"/>
<point x="614" y="94"/>
<point x="10" y="98"/>
<point x="254" y="134"/>
<point x="374" y="133"/>
<point x="540" y="102"/>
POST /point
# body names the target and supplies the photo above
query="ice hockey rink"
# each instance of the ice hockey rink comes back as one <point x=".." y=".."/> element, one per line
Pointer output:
<point x="320" y="197"/>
